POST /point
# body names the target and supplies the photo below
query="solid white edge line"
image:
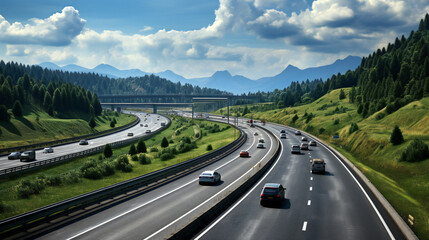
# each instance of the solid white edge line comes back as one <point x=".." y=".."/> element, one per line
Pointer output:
<point x="244" y="197"/>
<point x="360" y="186"/>
<point x="304" y="226"/>
<point x="365" y="193"/>
<point x="151" y="201"/>
<point x="215" y="195"/>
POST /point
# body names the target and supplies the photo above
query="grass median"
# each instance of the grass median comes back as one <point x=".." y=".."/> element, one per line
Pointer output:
<point x="179" y="129"/>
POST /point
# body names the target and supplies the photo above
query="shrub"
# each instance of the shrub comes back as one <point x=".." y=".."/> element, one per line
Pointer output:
<point x="53" y="180"/>
<point x="197" y="135"/>
<point x="112" y="124"/>
<point x="107" y="151"/>
<point x="141" y="146"/>
<point x="164" y="142"/>
<point x="171" y="141"/>
<point x="26" y="188"/>
<point x="91" y="122"/>
<point x="353" y="128"/>
<point x="122" y="162"/>
<point x="154" y="149"/>
<point x="166" y="156"/>
<point x="186" y="140"/>
<point x="209" y="147"/>
<point x="336" y="121"/>
<point x="143" y="159"/>
<point x="92" y="173"/>
<point x="132" y="150"/>
<point x="128" y="168"/>
<point x="396" y="138"/>
<point x="415" y="152"/>
<point x="134" y="158"/>
<point x="321" y="130"/>
<point x="107" y="168"/>
<point x="71" y="177"/>
<point x="177" y="132"/>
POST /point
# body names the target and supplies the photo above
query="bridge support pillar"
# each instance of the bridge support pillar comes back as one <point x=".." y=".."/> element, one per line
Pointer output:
<point x="154" y="109"/>
<point x="192" y="111"/>
<point x="118" y="109"/>
<point x="228" y="110"/>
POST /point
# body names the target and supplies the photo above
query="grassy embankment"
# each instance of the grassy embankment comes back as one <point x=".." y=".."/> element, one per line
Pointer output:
<point x="405" y="185"/>
<point x="37" y="126"/>
<point x="14" y="205"/>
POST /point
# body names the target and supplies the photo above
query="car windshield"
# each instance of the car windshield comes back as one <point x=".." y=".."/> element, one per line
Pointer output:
<point x="206" y="174"/>
<point x="270" y="190"/>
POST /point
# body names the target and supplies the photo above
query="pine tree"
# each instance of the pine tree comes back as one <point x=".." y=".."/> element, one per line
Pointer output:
<point x="141" y="146"/>
<point x="4" y="115"/>
<point x="17" y="109"/>
<point x="132" y="150"/>
<point x="47" y="102"/>
<point x="57" y="101"/>
<point x="92" y="123"/>
<point x="164" y="143"/>
<point x="342" y="94"/>
<point x="97" y="105"/>
<point x="108" y="152"/>
<point x="396" y="138"/>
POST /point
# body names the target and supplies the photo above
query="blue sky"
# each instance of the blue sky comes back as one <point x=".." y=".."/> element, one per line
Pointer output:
<point x="195" y="38"/>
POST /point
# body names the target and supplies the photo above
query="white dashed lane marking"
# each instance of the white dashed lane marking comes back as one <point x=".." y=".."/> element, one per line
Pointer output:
<point x="311" y="189"/>
<point x="309" y="203"/>
<point x="304" y="226"/>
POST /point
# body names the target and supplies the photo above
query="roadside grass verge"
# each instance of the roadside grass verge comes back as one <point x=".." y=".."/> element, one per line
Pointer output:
<point x="14" y="205"/>
<point x="405" y="185"/>
<point x="37" y="126"/>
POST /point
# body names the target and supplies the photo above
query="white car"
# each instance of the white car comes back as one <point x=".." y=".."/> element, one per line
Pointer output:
<point x="48" y="150"/>
<point x="260" y="145"/>
<point x="209" y="177"/>
<point x="283" y="135"/>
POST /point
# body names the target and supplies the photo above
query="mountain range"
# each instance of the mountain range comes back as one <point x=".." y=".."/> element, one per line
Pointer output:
<point x="223" y="80"/>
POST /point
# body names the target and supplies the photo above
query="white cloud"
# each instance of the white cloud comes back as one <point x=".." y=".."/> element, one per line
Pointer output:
<point x="57" y="30"/>
<point x="328" y="30"/>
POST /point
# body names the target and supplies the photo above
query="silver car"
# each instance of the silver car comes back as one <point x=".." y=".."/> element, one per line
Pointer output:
<point x="260" y="145"/>
<point x="283" y="135"/>
<point x="304" y="146"/>
<point x="209" y="177"/>
<point x="48" y="150"/>
<point x="296" y="149"/>
<point x="318" y="166"/>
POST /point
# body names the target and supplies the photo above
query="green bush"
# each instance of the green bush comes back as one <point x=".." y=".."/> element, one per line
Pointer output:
<point x="209" y="147"/>
<point x="321" y="130"/>
<point x="166" y="156"/>
<point x="171" y="141"/>
<point x="107" y="168"/>
<point x="396" y="138"/>
<point x="26" y="188"/>
<point x="53" y="180"/>
<point x="122" y="163"/>
<point x="295" y="118"/>
<point x="143" y="159"/>
<point x="154" y="149"/>
<point x="92" y="173"/>
<point x="415" y="152"/>
<point x="134" y="158"/>
<point x="336" y="121"/>
<point x="71" y="177"/>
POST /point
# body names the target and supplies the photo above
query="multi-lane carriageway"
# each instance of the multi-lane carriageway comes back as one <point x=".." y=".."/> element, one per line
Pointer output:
<point x="330" y="206"/>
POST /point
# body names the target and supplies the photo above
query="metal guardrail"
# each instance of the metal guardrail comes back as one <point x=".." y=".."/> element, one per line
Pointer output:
<point x="6" y="151"/>
<point x="42" y="214"/>
<point x="68" y="157"/>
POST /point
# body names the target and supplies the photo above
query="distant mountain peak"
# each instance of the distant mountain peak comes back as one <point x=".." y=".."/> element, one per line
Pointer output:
<point x="222" y="74"/>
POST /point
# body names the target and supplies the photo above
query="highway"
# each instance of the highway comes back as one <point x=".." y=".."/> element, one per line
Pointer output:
<point x="317" y="206"/>
<point x="152" y="124"/>
<point x="160" y="212"/>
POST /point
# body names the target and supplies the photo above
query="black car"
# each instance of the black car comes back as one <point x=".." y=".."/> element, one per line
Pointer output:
<point x="83" y="142"/>
<point x="272" y="193"/>
<point x="14" y="155"/>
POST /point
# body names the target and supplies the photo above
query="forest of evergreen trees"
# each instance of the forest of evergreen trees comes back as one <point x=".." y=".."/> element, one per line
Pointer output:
<point x="149" y="84"/>
<point x="57" y="97"/>
<point x="392" y="77"/>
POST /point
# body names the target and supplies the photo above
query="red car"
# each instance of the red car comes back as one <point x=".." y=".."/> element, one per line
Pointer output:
<point x="244" y="154"/>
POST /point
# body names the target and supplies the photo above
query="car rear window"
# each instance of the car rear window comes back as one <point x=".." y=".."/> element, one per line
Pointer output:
<point x="270" y="190"/>
<point x="206" y="174"/>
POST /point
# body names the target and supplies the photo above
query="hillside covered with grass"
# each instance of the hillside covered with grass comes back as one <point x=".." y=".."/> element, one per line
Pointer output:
<point x="404" y="184"/>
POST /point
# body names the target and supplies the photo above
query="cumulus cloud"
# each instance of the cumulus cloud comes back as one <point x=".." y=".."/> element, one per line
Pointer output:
<point x="319" y="34"/>
<point x="57" y="30"/>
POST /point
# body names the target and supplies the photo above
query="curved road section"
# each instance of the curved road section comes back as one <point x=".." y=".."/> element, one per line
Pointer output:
<point x="153" y="122"/>
<point x="163" y="211"/>
<point x="333" y="205"/>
